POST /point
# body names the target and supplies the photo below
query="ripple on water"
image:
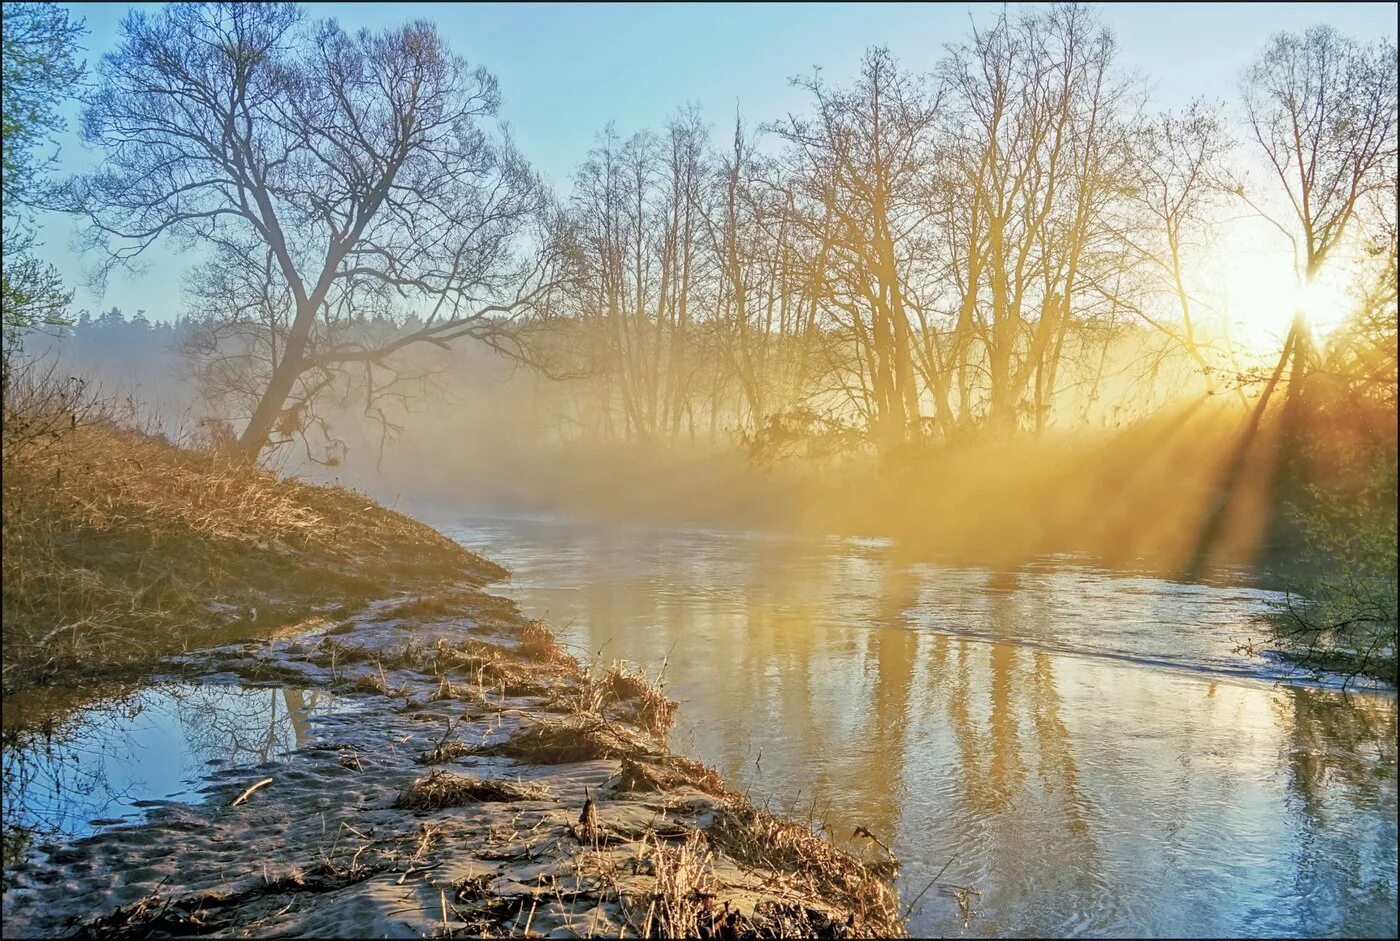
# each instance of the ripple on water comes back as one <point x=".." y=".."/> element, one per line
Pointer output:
<point x="1089" y="749"/>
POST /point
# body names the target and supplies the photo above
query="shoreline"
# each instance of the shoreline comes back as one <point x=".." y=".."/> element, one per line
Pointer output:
<point x="487" y="783"/>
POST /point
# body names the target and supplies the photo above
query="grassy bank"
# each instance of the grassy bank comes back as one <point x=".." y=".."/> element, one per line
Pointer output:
<point x="120" y="548"/>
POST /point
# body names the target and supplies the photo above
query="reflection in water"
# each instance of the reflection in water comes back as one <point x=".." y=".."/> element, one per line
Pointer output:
<point x="1089" y="750"/>
<point x="103" y="762"/>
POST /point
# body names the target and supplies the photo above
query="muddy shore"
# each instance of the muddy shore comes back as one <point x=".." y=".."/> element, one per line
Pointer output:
<point x="486" y="784"/>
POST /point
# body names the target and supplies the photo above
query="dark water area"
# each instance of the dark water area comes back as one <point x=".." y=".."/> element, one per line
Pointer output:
<point x="1087" y="749"/>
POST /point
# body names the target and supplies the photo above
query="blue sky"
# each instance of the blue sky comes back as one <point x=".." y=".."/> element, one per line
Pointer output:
<point x="565" y="70"/>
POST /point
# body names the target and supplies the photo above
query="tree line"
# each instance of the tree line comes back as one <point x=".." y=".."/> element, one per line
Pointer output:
<point x="914" y="258"/>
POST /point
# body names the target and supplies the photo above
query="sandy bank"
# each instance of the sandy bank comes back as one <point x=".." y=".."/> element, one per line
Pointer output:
<point x="486" y="784"/>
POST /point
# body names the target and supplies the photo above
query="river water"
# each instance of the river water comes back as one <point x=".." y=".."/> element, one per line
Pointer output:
<point x="1086" y="749"/>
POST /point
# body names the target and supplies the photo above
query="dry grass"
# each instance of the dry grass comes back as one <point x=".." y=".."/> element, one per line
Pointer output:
<point x="682" y="902"/>
<point x="491" y="667"/>
<point x="442" y="789"/>
<point x="758" y="839"/>
<point x="486" y="668"/>
<point x="537" y="643"/>
<point x="444" y="752"/>
<point x="668" y="773"/>
<point x="652" y="709"/>
<point x="378" y="682"/>
<point x="687" y="900"/>
<point x="446" y="749"/>
<point x="560" y="743"/>
<point x="445" y="690"/>
<point x="120" y="548"/>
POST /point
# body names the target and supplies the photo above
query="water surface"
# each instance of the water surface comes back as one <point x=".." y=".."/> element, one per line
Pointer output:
<point x="1086" y="748"/>
<point x="70" y="773"/>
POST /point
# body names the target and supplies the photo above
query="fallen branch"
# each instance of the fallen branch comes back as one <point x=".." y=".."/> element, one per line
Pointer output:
<point x="249" y="793"/>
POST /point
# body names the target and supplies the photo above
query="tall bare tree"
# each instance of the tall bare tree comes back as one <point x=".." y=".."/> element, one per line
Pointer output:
<point x="1037" y="153"/>
<point x="338" y="171"/>
<point x="1177" y="189"/>
<point x="1322" y="108"/>
<point x="860" y="168"/>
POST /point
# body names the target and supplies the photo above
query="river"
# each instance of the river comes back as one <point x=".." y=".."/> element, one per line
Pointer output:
<point x="1084" y="748"/>
<point x="1087" y="751"/>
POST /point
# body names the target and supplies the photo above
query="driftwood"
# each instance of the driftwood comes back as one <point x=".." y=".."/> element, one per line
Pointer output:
<point x="249" y="793"/>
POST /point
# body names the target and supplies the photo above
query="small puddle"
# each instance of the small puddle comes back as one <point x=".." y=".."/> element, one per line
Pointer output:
<point x="107" y="763"/>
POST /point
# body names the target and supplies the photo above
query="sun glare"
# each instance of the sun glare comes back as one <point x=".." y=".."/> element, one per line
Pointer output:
<point x="1324" y="304"/>
<point x="1263" y="294"/>
<point x="1260" y="298"/>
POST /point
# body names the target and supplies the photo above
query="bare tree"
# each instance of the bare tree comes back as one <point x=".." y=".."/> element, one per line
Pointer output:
<point x="1322" y="109"/>
<point x="859" y="169"/>
<point x="1172" y="211"/>
<point x="1036" y="152"/>
<point x="339" y="172"/>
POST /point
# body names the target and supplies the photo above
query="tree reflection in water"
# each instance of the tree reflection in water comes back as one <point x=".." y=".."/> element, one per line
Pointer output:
<point x="1087" y="747"/>
<point x="67" y="771"/>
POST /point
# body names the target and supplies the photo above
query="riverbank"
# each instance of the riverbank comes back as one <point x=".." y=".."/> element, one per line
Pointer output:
<point x="485" y="782"/>
<point x="120" y="549"/>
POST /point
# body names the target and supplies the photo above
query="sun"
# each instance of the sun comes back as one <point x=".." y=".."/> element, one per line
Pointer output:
<point x="1324" y="304"/>
<point x="1264" y="293"/>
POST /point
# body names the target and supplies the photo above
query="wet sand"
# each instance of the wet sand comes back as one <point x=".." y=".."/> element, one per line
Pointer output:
<point x="486" y="784"/>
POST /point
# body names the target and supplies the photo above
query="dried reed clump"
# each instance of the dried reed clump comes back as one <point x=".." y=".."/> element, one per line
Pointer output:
<point x="378" y="682"/>
<point x="471" y="657"/>
<point x="445" y="690"/>
<point x="147" y="917"/>
<point x="493" y="667"/>
<point x="414" y="655"/>
<point x="564" y="743"/>
<point x="537" y="643"/>
<point x="668" y="773"/>
<point x="682" y="903"/>
<point x="653" y="710"/>
<point x="635" y="777"/>
<point x="701" y="777"/>
<point x="758" y="839"/>
<point x="785" y="918"/>
<point x="442" y="789"/>
<point x="444" y="751"/>
<point x="484" y="913"/>
<point x="331" y="653"/>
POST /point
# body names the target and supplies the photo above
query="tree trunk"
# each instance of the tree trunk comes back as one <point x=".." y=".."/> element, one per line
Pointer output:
<point x="258" y="431"/>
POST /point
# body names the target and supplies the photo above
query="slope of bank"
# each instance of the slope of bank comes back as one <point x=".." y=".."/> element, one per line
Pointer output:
<point x="482" y="781"/>
<point x="120" y="549"/>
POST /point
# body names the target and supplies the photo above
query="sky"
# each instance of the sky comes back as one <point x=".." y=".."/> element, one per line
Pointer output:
<point x="565" y="70"/>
